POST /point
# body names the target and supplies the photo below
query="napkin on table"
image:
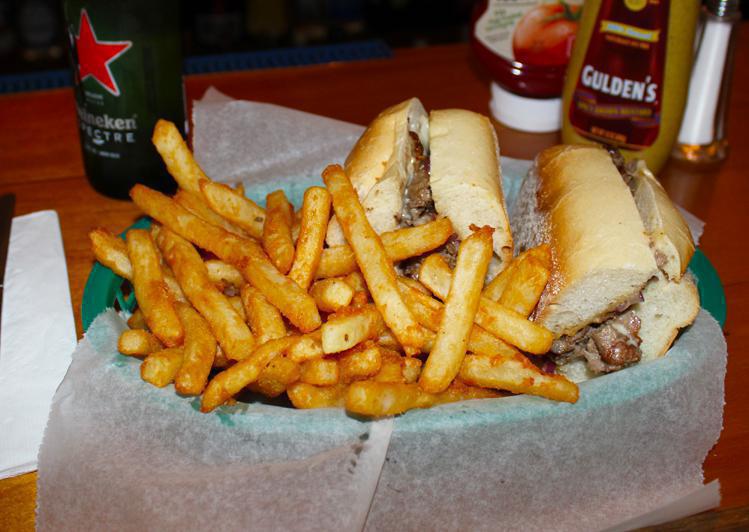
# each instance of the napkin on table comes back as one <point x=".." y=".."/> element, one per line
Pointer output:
<point x="37" y="337"/>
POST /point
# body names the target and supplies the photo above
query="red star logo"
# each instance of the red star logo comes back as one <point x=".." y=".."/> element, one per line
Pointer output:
<point x="94" y="56"/>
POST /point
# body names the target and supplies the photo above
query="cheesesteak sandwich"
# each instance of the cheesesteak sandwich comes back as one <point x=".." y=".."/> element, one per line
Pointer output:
<point x="409" y="167"/>
<point x="618" y="293"/>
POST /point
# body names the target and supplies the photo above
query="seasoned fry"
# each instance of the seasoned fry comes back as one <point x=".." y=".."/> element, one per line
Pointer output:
<point x="361" y="362"/>
<point x="137" y="342"/>
<point x="150" y="289"/>
<point x="529" y="278"/>
<point x="411" y="369"/>
<point x="244" y="254"/>
<point x="516" y="374"/>
<point x="307" y="347"/>
<point x="372" y="260"/>
<point x="222" y="274"/>
<point x="497" y="286"/>
<point x="137" y="320"/>
<point x="391" y="367"/>
<point x="303" y="395"/>
<point x="235" y="207"/>
<point x="195" y="204"/>
<point x="159" y="368"/>
<point x="199" y="351"/>
<point x="346" y="329"/>
<point x="177" y="156"/>
<point x="320" y="372"/>
<point x="356" y="281"/>
<point x="220" y="361"/>
<point x="312" y="229"/>
<point x="238" y="305"/>
<point x="265" y="321"/>
<point x="111" y="251"/>
<point x="399" y="245"/>
<point x="227" y="326"/>
<point x="332" y="294"/>
<point x="505" y="324"/>
<point x="276" y="377"/>
<point x="277" y="241"/>
<point x="231" y="381"/>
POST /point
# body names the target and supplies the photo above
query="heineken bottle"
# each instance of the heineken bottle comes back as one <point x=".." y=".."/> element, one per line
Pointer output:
<point x="127" y="64"/>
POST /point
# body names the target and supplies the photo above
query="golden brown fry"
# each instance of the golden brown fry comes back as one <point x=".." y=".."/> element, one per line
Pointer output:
<point x="372" y="260"/>
<point x="505" y="324"/>
<point x="229" y="382"/>
<point x="159" y="368"/>
<point x="356" y="281"/>
<point x="238" y="305"/>
<point x="222" y="274"/>
<point x="416" y="285"/>
<point x="312" y="229"/>
<point x="461" y="305"/>
<point x="350" y="327"/>
<point x="320" y="372"/>
<point x="399" y="245"/>
<point x="277" y="241"/>
<point x="177" y="156"/>
<point x="411" y="369"/>
<point x="276" y="377"/>
<point x="497" y="286"/>
<point x="199" y="352"/>
<point x="331" y="295"/>
<point x="234" y="207"/>
<point x="528" y="281"/>
<point x="303" y="395"/>
<point x="195" y="204"/>
<point x="307" y="347"/>
<point x="150" y="289"/>
<point x="516" y="374"/>
<point x="172" y="286"/>
<point x="244" y="254"/>
<point x="226" y="324"/>
<point x="265" y="321"/>
<point x="137" y="320"/>
<point x="111" y="251"/>
<point x="391" y="367"/>
<point x="220" y="361"/>
<point x="137" y="342"/>
<point x="361" y="362"/>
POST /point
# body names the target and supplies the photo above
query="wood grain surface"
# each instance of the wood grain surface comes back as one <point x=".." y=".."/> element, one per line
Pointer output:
<point x="40" y="162"/>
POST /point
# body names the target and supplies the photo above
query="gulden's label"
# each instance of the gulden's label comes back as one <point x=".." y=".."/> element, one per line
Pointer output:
<point x="618" y="95"/>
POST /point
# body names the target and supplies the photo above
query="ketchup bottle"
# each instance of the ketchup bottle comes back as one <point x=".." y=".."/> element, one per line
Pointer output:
<point x="526" y="46"/>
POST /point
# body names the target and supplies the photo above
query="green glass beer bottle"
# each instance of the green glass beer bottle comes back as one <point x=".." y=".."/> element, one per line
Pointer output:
<point x="127" y="63"/>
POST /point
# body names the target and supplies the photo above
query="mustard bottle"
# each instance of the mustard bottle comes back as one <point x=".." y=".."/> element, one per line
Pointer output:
<point x="628" y="77"/>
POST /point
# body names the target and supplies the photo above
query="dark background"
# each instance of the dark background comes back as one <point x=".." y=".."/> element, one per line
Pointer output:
<point x="31" y="31"/>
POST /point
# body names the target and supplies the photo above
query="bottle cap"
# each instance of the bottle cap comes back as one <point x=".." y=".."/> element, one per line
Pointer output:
<point x="534" y="115"/>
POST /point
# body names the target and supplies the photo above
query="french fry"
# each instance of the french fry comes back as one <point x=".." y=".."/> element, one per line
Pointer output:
<point x="303" y="395"/>
<point x="356" y="281"/>
<point x="277" y="241"/>
<point x="332" y="294"/>
<point x="137" y="342"/>
<point x="320" y="372"/>
<point x="346" y="329"/>
<point x="244" y="254"/>
<point x="391" y="367"/>
<point x="172" y="286"/>
<point x="399" y="245"/>
<point x="378" y="399"/>
<point x="199" y="351"/>
<point x="195" y="204"/>
<point x="361" y="362"/>
<point x="497" y="286"/>
<point x="411" y="369"/>
<point x="150" y="289"/>
<point x="505" y="324"/>
<point x="276" y="377"/>
<point x="307" y="347"/>
<point x="234" y="207"/>
<point x="265" y="321"/>
<point x="111" y="251"/>
<point x="312" y="229"/>
<point x="372" y="260"/>
<point x="461" y="305"/>
<point x="159" y="368"/>
<point x="238" y="305"/>
<point x="220" y="361"/>
<point x="222" y="274"/>
<point x="137" y="320"/>
<point x="229" y="382"/>
<point x="179" y="161"/>
<point x="528" y="281"/>
<point x="516" y="374"/>
<point x="226" y="324"/>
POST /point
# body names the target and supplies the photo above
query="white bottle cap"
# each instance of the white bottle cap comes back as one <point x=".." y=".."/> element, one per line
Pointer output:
<point x="534" y="115"/>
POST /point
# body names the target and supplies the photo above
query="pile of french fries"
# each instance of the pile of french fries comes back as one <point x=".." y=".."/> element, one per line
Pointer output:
<point x="234" y="297"/>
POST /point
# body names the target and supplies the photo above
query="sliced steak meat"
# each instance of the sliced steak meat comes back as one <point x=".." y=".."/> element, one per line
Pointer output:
<point x="418" y="205"/>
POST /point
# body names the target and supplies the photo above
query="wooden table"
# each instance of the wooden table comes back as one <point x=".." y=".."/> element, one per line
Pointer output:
<point x="40" y="162"/>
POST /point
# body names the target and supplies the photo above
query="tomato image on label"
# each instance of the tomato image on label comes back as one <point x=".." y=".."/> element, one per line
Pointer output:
<point x="546" y="33"/>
